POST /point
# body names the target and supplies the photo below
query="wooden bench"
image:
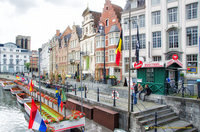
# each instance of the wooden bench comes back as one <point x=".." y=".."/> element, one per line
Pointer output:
<point x="106" y="117"/>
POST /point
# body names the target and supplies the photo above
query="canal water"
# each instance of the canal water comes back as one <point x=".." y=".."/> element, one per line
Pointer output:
<point x="11" y="114"/>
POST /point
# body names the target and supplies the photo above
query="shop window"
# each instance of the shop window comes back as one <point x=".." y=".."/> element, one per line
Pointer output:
<point x="192" y="63"/>
<point x="150" y="75"/>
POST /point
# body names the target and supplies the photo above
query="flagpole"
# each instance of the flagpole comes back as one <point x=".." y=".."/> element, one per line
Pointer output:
<point x="129" y="75"/>
<point x="39" y="79"/>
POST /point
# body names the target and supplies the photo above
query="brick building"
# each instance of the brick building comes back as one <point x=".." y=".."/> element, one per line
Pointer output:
<point x="61" y="47"/>
<point x="110" y="18"/>
<point x="74" y="50"/>
<point x="34" y="61"/>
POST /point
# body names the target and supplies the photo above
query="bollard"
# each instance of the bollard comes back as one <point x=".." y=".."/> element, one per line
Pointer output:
<point x="97" y="94"/>
<point x="85" y="92"/>
<point x="132" y="101"/>
<point x="114" y="104"/>
<point x="156" y="116"/>
<point x="75" y="89"/>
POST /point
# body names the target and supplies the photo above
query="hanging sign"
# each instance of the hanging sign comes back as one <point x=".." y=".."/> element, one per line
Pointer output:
<point x="175" y="57"/>
<point x="138" y="65"/>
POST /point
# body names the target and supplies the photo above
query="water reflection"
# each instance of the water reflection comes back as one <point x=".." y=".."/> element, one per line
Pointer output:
<point x="11" y="114"/>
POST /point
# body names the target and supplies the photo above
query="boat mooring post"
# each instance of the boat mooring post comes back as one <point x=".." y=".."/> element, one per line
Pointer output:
<point x="40" y="49"/>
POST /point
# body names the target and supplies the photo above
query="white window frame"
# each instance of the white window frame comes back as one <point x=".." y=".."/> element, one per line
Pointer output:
<point x="190" y="11"/>
<point x="156" y="39"/>
<point x="156" y="17"/>
<point x="193" y="40"/>
<point x="111" y="55"/>
<point x="172" y="14"/>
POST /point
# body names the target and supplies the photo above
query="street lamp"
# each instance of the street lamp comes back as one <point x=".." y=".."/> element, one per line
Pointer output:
<point x="101" y="30"/>
<point x="40" y="49"/>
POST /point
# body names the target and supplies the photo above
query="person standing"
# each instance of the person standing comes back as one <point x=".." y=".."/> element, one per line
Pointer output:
<point x="140" y="90"/>
<point x="147" y="91"/>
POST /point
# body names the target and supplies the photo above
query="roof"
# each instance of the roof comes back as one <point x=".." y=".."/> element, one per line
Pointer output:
<point x="79" y="31"/>
<point x="117" y="10"/>
<point x="67" y="37"/>
<point x="114" y="28"/>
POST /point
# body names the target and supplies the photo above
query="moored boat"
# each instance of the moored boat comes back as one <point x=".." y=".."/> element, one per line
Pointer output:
<point x="16" y="90"/>
<point x="8" y="85"/>
<point x="23" y="98"/>
<point x="55" y="120"/>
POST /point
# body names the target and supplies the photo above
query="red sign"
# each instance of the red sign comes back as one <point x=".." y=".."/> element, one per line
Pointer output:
<point x="138" y="65"/>
<point x="157" y="64"/>
<point x="175" y="57"/>
<point x="174" y="61"/>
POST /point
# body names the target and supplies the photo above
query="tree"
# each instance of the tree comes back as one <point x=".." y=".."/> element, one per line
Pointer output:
<point x="27" y="65"/>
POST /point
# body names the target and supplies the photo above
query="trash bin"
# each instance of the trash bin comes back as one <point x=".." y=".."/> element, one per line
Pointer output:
<point x="198" y="87"/>
<point x="190" y="89"/>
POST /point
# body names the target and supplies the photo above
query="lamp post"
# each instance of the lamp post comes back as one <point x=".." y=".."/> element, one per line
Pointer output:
<point x="40" y="49"/>
<point x="102" y="33"/>
<point x="81" y="81"/>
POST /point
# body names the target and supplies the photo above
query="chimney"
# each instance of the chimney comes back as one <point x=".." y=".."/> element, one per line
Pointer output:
<point x="57" y="32"/>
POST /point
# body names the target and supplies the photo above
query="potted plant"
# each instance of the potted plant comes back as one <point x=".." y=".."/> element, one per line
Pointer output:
<point x="78" y="79"/>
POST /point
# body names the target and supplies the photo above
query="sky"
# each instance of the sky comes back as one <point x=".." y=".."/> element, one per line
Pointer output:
<point x="40" y="18"/>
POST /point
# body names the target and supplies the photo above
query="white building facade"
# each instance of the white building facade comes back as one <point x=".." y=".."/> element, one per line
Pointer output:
<point x="45" y="57"/>
<point x="166" y="27"/>
<point x="87" y="41"/>
<point x="13" y="58"/>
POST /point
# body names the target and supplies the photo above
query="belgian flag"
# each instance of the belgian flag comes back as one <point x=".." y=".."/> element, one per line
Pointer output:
<point x="119" y="50"/>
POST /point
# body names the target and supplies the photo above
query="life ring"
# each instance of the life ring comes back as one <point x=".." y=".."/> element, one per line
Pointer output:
<point x="116" y="95"/>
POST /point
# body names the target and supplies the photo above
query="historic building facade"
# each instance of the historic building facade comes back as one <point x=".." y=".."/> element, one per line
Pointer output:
<point x="34" y="61"/>
<point x="13" y="58"/>
<point x="23" y="42"/>
<point x="89" y="29"/>
<point x="110" y="20"/>
<point x="62" y="51"/>
<point x="74" y="50"/>
<point x="166" y="28"/>
<point x="44" y="55"/>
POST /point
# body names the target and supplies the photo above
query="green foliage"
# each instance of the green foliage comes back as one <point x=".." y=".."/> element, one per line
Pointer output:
<point x="59" y="75"/>
<point x="27" y="65"/>
<point x="182" y="74"/>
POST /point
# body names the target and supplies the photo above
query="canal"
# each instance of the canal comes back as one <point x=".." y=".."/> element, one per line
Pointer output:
<point x="11" y="114"/>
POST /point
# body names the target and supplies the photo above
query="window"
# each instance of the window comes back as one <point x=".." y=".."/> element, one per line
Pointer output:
<point x="134" y="22"/>
<point x="4" y="49"/>
<point x="172" y="14"/>
<point x="156" y="39"/>
<point x="150" y="75"/>
<point x="17" y="50"/>
<point x="156" y="58"/>
<point x="142" y="20"/>
<point x="171" y="1"/>
<point x="126" y="24"/>
<point x="192" y="63"/>
<point x="111" y="55"/>
<point x="99" y="56"/>
<point x="155" y="2"/>
<point x="24" y="61"/>
<point x="126" y="43"/>
<point x="126" y="64"/>
<point x="192" y="36"/>
<point x="11" y="50"/>
<point x="107" y="22"/>
<point x="173" y="39"/>
<point x="113" y="38"/>
<point x="156" y="18"/>
<point x="24" y="56"/>
<point x="17" y="56"/>
<point x="11" y="56"/>
<point x="191" y="11"/>
<point x="4" y="61"/>
<point x="4" y="55"/>
<point x="142" y="41"/>
<point x="11" y="61"/>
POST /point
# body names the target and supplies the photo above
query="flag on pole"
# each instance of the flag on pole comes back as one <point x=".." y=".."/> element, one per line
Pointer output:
<point x="31" y="86"/>
<point x="57" y="94"/>
<point x="36" y="122"/>
<point x="23" y="79"/>
<point x="119" y="50"/>
<point x="137" y="46"/>
<point x="59" y="100"/>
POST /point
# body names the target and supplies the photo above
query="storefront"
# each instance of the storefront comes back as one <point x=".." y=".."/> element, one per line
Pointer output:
<point x="155" y="74"/>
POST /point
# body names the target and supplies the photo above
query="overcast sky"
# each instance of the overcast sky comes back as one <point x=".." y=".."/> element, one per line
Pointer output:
<point x="40" y="18"/>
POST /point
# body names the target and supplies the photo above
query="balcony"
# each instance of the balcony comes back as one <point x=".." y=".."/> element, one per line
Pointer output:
<point x="72" y="61"/>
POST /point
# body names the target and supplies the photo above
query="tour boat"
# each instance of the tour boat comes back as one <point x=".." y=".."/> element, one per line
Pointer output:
<point x="55" y="120"/>
<point x="23" y="98"/>
<point x="8" y="85"/>
<point x="16" y="90"/>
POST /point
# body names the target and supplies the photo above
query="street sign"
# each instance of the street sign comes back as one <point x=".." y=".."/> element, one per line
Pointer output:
<point x="138" y="65"/>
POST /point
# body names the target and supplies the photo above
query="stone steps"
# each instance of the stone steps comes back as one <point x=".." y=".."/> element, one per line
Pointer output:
<point x="167" y="121"/>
